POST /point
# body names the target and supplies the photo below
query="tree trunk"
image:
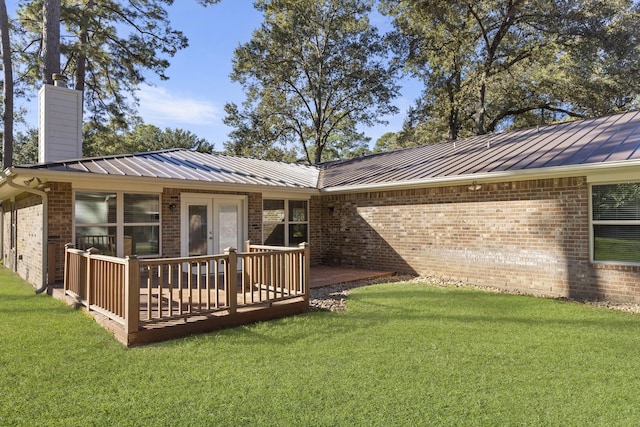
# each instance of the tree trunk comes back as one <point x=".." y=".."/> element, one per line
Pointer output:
<point x="83" y="38"/>
<point x="50" y="40"/>
<point x="481" y="111"/>
<point x="7" y="88"/>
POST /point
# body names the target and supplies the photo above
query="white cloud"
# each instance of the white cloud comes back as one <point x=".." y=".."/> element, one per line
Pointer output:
<point x="160" y="107"/>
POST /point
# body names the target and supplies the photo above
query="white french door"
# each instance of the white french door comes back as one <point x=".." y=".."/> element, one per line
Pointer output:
<point x="211" y="223"/>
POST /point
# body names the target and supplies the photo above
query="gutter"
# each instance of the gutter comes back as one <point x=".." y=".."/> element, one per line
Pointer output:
<point x="45" y="224"/>
<point x="88" y="180"/>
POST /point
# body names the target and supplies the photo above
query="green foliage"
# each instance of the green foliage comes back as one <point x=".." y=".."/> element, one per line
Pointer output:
<point x="108" y="140"/>
<point x="386" y="142"/>
<point x="402" y="354"/>
<point x="312" y="72"/>
<point x="492" y="65"/>
<point x="25" y="150"/>
<point x="107" y="46"/>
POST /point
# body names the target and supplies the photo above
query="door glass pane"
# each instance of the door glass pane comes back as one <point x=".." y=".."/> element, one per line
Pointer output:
<point x="198" y="230"/>
<point x="228" y="225"/>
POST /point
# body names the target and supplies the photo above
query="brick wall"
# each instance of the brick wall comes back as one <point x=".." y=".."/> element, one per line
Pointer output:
<point x="28" y="259"/>
<point x="315" y="229"/>
<point x="60" y="222"/>
<point x="531" y="236"/>
<point x="7" y="257"/>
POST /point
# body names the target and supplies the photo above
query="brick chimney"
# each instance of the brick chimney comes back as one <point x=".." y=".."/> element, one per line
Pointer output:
<point x="59" y="122"/>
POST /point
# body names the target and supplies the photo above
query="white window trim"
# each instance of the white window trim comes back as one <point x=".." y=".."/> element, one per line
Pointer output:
<point x="286" y="221"/>
<point x="606" y="222"/>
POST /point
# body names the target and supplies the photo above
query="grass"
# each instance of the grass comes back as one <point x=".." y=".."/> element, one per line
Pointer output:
<point x="402" y="354"/>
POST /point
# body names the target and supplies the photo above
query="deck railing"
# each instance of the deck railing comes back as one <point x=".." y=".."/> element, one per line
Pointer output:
<point x="134" y="292"/>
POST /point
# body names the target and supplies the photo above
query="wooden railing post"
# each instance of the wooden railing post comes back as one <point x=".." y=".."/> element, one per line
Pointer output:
<point x="232" y="278"/>
<point x="88" y="278"/>
<point x="89" y="285"/>
<point x="247" y="266"/>
<point x="306" y="268"/>
<point x="132" y="294"/>
<point x="67" y="261"/>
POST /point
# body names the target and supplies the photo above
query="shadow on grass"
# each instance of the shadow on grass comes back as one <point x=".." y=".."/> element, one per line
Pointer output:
<point x="409" y="306"/>
<point x="468" y="306"/>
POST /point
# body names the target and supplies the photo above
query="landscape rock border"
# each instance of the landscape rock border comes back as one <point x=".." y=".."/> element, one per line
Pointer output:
<point x="334" y="297"/>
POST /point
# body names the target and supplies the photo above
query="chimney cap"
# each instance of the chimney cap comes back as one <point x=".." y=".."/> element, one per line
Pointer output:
<point x="59" y="79"/>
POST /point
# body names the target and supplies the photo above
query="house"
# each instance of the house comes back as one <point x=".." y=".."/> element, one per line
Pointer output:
<point x="553" y="210"/>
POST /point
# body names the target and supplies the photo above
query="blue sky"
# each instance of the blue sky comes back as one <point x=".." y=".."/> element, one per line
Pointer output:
<point x="199" y="86"/>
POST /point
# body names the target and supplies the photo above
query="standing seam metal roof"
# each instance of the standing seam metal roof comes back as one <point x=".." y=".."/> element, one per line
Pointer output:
<point x="181" y="164"/>
<point x="590" y="141"/>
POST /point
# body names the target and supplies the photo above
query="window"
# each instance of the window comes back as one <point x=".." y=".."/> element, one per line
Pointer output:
<point x="284" y="222"/>
<point x="95" y="216"/>
<point x="118" y="224"/>
<point x="615" y="222"/>
<point x="141" y="224"/>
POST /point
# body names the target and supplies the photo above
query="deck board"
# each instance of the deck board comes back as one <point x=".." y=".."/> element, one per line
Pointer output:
<point x="326" y="275"/>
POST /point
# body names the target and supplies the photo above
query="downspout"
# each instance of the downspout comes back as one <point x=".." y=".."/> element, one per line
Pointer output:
<point x="45" y="225"/>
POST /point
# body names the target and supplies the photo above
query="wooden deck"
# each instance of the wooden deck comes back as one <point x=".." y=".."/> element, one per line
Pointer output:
<point x="144" y="301"/>
<point x="324" y="275"/>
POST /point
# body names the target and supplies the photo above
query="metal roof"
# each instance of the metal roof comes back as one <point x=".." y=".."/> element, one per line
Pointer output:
<point x="581" y="142"/>
<point x="187" y="165"/>
<point x="597" y="141"/>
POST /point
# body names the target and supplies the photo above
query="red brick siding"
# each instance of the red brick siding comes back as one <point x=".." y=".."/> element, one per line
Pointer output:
<point x="531" y="236"/>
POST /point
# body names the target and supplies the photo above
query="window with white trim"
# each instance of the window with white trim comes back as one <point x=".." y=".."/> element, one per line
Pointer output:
<point x="118" y="224"/>
<point x="615" y="222"/>
<point x="285" y="222"/>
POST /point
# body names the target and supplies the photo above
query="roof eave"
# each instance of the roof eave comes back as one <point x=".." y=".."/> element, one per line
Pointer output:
<point x="518" y="175"/>
<point x="118" y="181"/>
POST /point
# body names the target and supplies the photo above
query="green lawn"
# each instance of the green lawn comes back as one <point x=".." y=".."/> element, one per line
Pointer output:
<point x="402" y="354"/>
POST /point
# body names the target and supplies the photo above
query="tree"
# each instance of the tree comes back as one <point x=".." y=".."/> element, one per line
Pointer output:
<point x="26" y="147"/>
<point x="387" y="141"/>
<point x="108" y="48"/>
<point x="312" y="72"/>
<point x="145" y="137"/>
<point x="7" y="88"/>
<point x="50" y="40"/>
<point x="103" y="140"/>
<point x="488" y="65"/>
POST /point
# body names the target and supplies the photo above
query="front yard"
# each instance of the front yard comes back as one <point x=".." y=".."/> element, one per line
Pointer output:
<point x="401" y="354"/>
